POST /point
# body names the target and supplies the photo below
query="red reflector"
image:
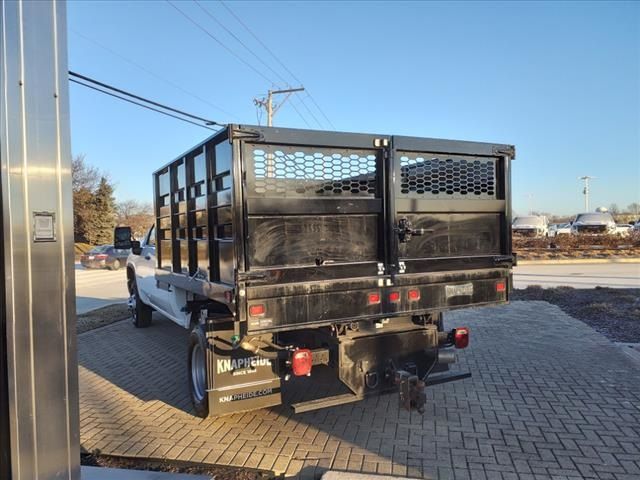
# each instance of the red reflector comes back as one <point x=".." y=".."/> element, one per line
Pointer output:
<point x="394" y="297"/>
<point x="256" y="310"/>
<point x="301" y="362"/>
<point x="461" y="337"/>
<point x="414" y="295"/>
<point x="501" y="287"/>
<point x="101" y="257"/>
<point x="374" y="298"/>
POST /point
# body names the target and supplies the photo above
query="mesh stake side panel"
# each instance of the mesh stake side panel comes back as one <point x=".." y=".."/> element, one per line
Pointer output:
<point x="441" y="176"/>
<point x="283" y="171"/>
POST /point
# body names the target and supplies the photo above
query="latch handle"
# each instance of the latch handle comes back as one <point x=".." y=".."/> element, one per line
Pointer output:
<point x="405" y="230"/>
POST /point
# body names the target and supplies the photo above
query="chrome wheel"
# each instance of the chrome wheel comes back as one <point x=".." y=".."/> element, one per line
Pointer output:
<point x="198" y="373"/>
<point x="131" y="304"/>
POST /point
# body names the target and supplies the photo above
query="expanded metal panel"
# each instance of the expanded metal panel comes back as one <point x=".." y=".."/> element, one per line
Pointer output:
<point x="282" y="171"/>
<point x="426" y="176"/>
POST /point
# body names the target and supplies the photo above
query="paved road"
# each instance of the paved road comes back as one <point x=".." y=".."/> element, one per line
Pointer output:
<point x="97" y="288"/>
<point x="621" y="275"/>
<point x="550" y="398"/>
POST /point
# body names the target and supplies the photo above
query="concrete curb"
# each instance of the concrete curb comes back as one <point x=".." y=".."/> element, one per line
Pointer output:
<point x="339" y="475"/>
<point x="97" y="473"/>
<point x="631" y="349"/>
<point x="571" y="261"/>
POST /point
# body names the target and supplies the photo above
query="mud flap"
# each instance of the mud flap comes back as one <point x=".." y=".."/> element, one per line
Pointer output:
<point x="237" y="380"/>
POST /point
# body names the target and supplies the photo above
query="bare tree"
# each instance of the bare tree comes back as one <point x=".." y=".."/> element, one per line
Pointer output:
<point x="137" y="215"/>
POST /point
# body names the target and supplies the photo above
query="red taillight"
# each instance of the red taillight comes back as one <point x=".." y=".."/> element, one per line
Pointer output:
<point x="102" y="256"/>
<point x="301" y="362"/>
<point x="374" y="298"/>
<point x="414" y="294"/>
<point x="256" y="310"/>
<point x="394" y="297"/>
<point x="461" y="337"/>
<point x="501" y="287"/>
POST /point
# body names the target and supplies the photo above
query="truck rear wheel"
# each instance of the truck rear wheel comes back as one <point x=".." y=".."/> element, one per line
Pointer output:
<point x="140" y="312"/>
<point x="197" y="360"/>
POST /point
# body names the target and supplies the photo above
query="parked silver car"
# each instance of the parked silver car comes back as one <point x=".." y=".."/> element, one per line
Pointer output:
<point x="557" y="229"/>
<point x="597" y="223"/>
<point x="530" y="226"/>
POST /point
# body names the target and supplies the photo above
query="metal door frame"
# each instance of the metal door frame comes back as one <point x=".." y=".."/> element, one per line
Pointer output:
<point x="501" y="152"/>
<point x="241" y="135"/>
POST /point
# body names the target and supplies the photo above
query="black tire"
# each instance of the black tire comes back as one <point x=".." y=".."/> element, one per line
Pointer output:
<point x="140" y="312"/>
<point x="115" y="265"/>
<point x="197" y="371"/>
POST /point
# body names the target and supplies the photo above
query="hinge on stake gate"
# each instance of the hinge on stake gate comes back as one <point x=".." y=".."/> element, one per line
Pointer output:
<point x="381" y="142"/>
<point x="380" y="268"/>
<point x="401" y="267"/>
<point x="509" y="151"/>
<point x="239" y="133"/>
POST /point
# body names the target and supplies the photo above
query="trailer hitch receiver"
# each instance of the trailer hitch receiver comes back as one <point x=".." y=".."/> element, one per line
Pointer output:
<point x="412" y="391"/>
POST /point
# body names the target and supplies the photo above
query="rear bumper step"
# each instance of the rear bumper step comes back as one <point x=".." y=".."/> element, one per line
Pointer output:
<point x="438" y="379"/>
<point x="325" y="402"/>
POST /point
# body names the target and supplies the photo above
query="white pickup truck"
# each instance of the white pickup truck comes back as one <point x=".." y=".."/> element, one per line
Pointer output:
<point x="146" y="294"/>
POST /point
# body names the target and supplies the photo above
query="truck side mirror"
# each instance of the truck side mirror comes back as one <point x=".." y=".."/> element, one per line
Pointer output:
<point x="122" y="238"/>
<point x="135" y="247"/>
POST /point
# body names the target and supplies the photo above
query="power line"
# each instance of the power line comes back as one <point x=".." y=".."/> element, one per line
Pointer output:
<point x="300" y="114"/>
<point x="255" y="55"/>
<point x="246" y="27"/>
<point x="139" y="104"/>
<point x="152" y="73"/>
<point x="310" y="112"/>
<point x="208" y="33"/>
<point x="223" y="45"/>
<point x="146" y="100"/>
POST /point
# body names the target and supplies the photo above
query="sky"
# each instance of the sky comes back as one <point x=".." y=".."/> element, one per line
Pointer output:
<point x="559" y="80"/>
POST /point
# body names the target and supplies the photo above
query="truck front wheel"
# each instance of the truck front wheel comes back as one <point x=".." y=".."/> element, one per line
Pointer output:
<point x="140" y="312"/>
<point x="197" y="359"/>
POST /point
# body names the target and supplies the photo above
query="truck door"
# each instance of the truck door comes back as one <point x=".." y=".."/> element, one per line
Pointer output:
<point x="447" y="205"/>
<point x="146" y="269"/>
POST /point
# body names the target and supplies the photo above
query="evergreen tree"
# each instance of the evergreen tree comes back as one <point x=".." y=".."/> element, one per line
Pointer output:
<point x="84" y="180"/>
<point x="104" y="209"/>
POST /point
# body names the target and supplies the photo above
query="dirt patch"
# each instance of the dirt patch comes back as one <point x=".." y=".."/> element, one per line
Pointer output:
<point x="214" y="471"/>
<point x="102" y="317"/>
<point x="614" y="312"/>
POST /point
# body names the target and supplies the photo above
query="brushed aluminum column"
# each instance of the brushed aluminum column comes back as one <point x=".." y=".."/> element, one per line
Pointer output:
<point x="37" y="242"/>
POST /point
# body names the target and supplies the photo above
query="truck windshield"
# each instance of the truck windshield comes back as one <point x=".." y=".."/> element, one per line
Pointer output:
<point x="528" y="221"/>
<point x="594" y="217"/>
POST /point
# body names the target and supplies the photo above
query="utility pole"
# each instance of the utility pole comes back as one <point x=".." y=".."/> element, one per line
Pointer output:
<point x="585" y="191"/>
<point x="530" y="197"/>
<point x="267" y="103"/>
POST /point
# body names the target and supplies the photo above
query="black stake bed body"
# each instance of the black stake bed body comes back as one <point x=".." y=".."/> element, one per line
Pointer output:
<point x="295" y="236"/>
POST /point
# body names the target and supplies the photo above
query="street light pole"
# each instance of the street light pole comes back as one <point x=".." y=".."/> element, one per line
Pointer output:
<point x="585" y="191"/>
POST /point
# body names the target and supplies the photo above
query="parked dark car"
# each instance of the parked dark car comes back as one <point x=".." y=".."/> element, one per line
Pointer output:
<point x="105" y="256"/>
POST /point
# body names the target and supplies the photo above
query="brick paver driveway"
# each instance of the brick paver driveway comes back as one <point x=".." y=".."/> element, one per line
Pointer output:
<point x="550" y="398"/>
